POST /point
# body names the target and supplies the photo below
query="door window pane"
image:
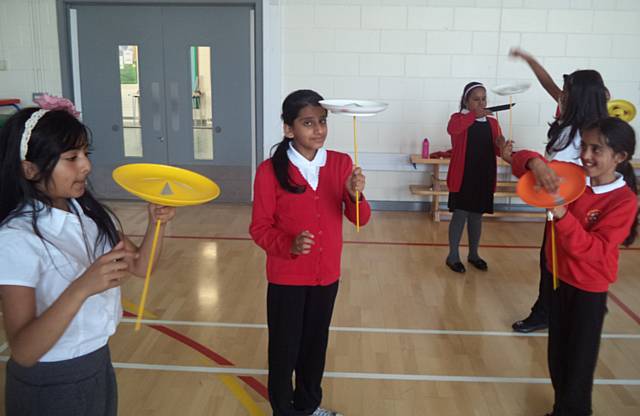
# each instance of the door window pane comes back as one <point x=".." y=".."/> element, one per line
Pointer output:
<point x="130" y="100"/>
<point x="201" y="102"/>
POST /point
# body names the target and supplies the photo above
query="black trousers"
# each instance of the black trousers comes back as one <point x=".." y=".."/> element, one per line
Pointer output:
<point x="575" y="327"/>
<point x="540" y="309"/>
<point x="298" y="319"/>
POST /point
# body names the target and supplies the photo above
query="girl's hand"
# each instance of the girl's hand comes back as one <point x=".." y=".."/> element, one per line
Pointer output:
<point x="355" y="182"/>
<point x="107" y="272"/>
<point x="506" y="151"/>
<point x="519" y="53"/>
<point x="559" y="212"/>
<point x="161" y="213"/>
<point x="545" y="176"/>
<point x="302" y="243"/>
<point x="482" y="112"/>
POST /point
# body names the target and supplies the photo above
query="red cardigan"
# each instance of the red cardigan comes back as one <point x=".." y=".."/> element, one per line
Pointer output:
<point x="458" y="127"/>
<point x="589" y="234"/>
<point x="588" y="237"/>
<point x="279" y="216"/>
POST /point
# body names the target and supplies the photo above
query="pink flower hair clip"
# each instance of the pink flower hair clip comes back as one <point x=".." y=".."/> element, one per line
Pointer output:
<point x="46" y="103"/>
<point x="50" y="102"/>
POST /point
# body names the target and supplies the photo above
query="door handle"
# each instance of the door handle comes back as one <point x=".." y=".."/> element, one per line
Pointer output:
<point x="161" y="139"/>
<point x="173" y="106"/>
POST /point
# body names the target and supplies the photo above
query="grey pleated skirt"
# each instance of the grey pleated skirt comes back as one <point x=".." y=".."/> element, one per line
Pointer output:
<point x="83" y="386"/>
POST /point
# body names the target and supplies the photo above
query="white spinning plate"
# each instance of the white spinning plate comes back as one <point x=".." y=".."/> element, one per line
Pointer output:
<point x="512" y="88"/>
<point x="360" y="108"/>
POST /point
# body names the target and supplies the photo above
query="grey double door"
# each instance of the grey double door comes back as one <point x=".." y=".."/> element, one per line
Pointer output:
<point x="171" y="85"/>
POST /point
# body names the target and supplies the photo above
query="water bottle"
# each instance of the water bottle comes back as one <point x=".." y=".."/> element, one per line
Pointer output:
<point x="425" y="149"/>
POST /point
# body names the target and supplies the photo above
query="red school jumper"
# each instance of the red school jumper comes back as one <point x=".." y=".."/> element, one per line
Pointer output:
<point x="279" y="216"/>
<point x="458" y="127"/>
<point x="588" y="237"/>
<point x="589" y="234"/>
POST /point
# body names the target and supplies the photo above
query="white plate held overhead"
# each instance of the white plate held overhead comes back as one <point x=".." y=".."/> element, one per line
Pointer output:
<point x="512" y="88"/>
<point x="354" y="107"/>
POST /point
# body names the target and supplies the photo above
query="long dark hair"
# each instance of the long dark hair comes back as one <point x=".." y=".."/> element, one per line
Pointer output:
<point x="291" y="107"/>
<point x="584" y="101"/>
<point x="621" y="138"/>
<point x="55" y="133"/>
<point x="465" y="92"/>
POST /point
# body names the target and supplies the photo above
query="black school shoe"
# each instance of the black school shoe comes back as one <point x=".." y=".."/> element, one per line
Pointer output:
<point x="479" y="264"/>
<point x="529" y="324"/>
<point x="456" y="267"/>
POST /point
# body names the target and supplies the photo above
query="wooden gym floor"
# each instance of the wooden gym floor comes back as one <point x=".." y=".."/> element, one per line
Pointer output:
<point x="409" y="336"/>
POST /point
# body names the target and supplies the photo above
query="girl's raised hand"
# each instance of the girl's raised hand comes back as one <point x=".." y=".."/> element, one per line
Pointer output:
<point x="107" y="272"/>
<point x="519" y="53"/>
<point x="302" y="243"/>
<point x="355" y="182"/>
<point x="162" y="213"/>
<point x="545" y="176"/>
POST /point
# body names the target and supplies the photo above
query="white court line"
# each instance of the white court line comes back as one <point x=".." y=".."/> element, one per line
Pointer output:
<point x="361" y="376"/>
<point x="369" y="330"/>
<point x="370" y="376"/>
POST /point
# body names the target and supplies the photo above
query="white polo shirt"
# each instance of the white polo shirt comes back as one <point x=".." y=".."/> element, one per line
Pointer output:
<point x="25" y="261"/>
<point x="571" y="153"/>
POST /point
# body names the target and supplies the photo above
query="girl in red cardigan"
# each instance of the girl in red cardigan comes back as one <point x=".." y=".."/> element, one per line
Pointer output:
<point x="589" y="232"/>
<point x="472" y="172"/>
<point x="300" y="196"/>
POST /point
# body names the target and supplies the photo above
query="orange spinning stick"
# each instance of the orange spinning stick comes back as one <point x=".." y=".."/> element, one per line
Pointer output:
<point x="572" y="185"/>
<point x="163" y="185"/>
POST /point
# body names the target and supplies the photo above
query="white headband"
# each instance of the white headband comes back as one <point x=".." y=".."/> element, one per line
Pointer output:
<point x="464" y="96"/>
<point x="26" y="135"/>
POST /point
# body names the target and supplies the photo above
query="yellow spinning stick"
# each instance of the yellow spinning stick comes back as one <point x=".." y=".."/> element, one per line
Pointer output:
<point x="355" y="108"/>
<point x="510" y="110"/>
<point x="163" y="185"/>
<point x="554" y="258"/>
<point x="355" y="158"/>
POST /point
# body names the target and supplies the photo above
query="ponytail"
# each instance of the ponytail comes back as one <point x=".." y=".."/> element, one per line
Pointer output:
<point x="291" y="107"/>
<point x="280" y="162"/>
<point x="629" y="176"/>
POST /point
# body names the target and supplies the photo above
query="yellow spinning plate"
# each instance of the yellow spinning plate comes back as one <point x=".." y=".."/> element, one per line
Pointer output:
<point x="163" y="185"/>
<point x="166" y="185"/>
<point x="622" y="109"/>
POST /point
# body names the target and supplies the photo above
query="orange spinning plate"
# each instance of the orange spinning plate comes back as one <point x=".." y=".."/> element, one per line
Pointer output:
<point x="572" y="185"/>
<point x="166" y="185"/>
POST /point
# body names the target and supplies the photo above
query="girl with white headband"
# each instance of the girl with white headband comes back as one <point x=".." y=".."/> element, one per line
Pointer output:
<point x="61" y="265"/>
<point x="475" y="138"/>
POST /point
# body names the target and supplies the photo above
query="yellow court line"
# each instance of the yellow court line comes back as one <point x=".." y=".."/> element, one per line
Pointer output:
<point x="229" y="381"/>
<point x="242" y="395"/>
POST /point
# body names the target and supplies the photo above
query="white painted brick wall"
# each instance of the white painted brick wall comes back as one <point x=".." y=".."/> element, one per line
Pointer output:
<point x="414" y="54"/>
<point x="449" y="43"/>
<point x="395" y="41"/>
<point x="349" y="40"/>
<point x="430" y="18"/>
<point x="384" y="17"/>
<point x="422" y="52"/>
<point x="476" y="19"/>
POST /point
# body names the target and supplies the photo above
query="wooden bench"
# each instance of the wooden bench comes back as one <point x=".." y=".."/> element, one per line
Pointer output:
<point x="438" y="188"/>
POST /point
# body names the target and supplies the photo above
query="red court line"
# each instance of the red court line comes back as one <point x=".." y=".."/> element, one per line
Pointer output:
<point x="374" y="243"/>
<point x="625" y="308"/>
<point x="252" y="382"/>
